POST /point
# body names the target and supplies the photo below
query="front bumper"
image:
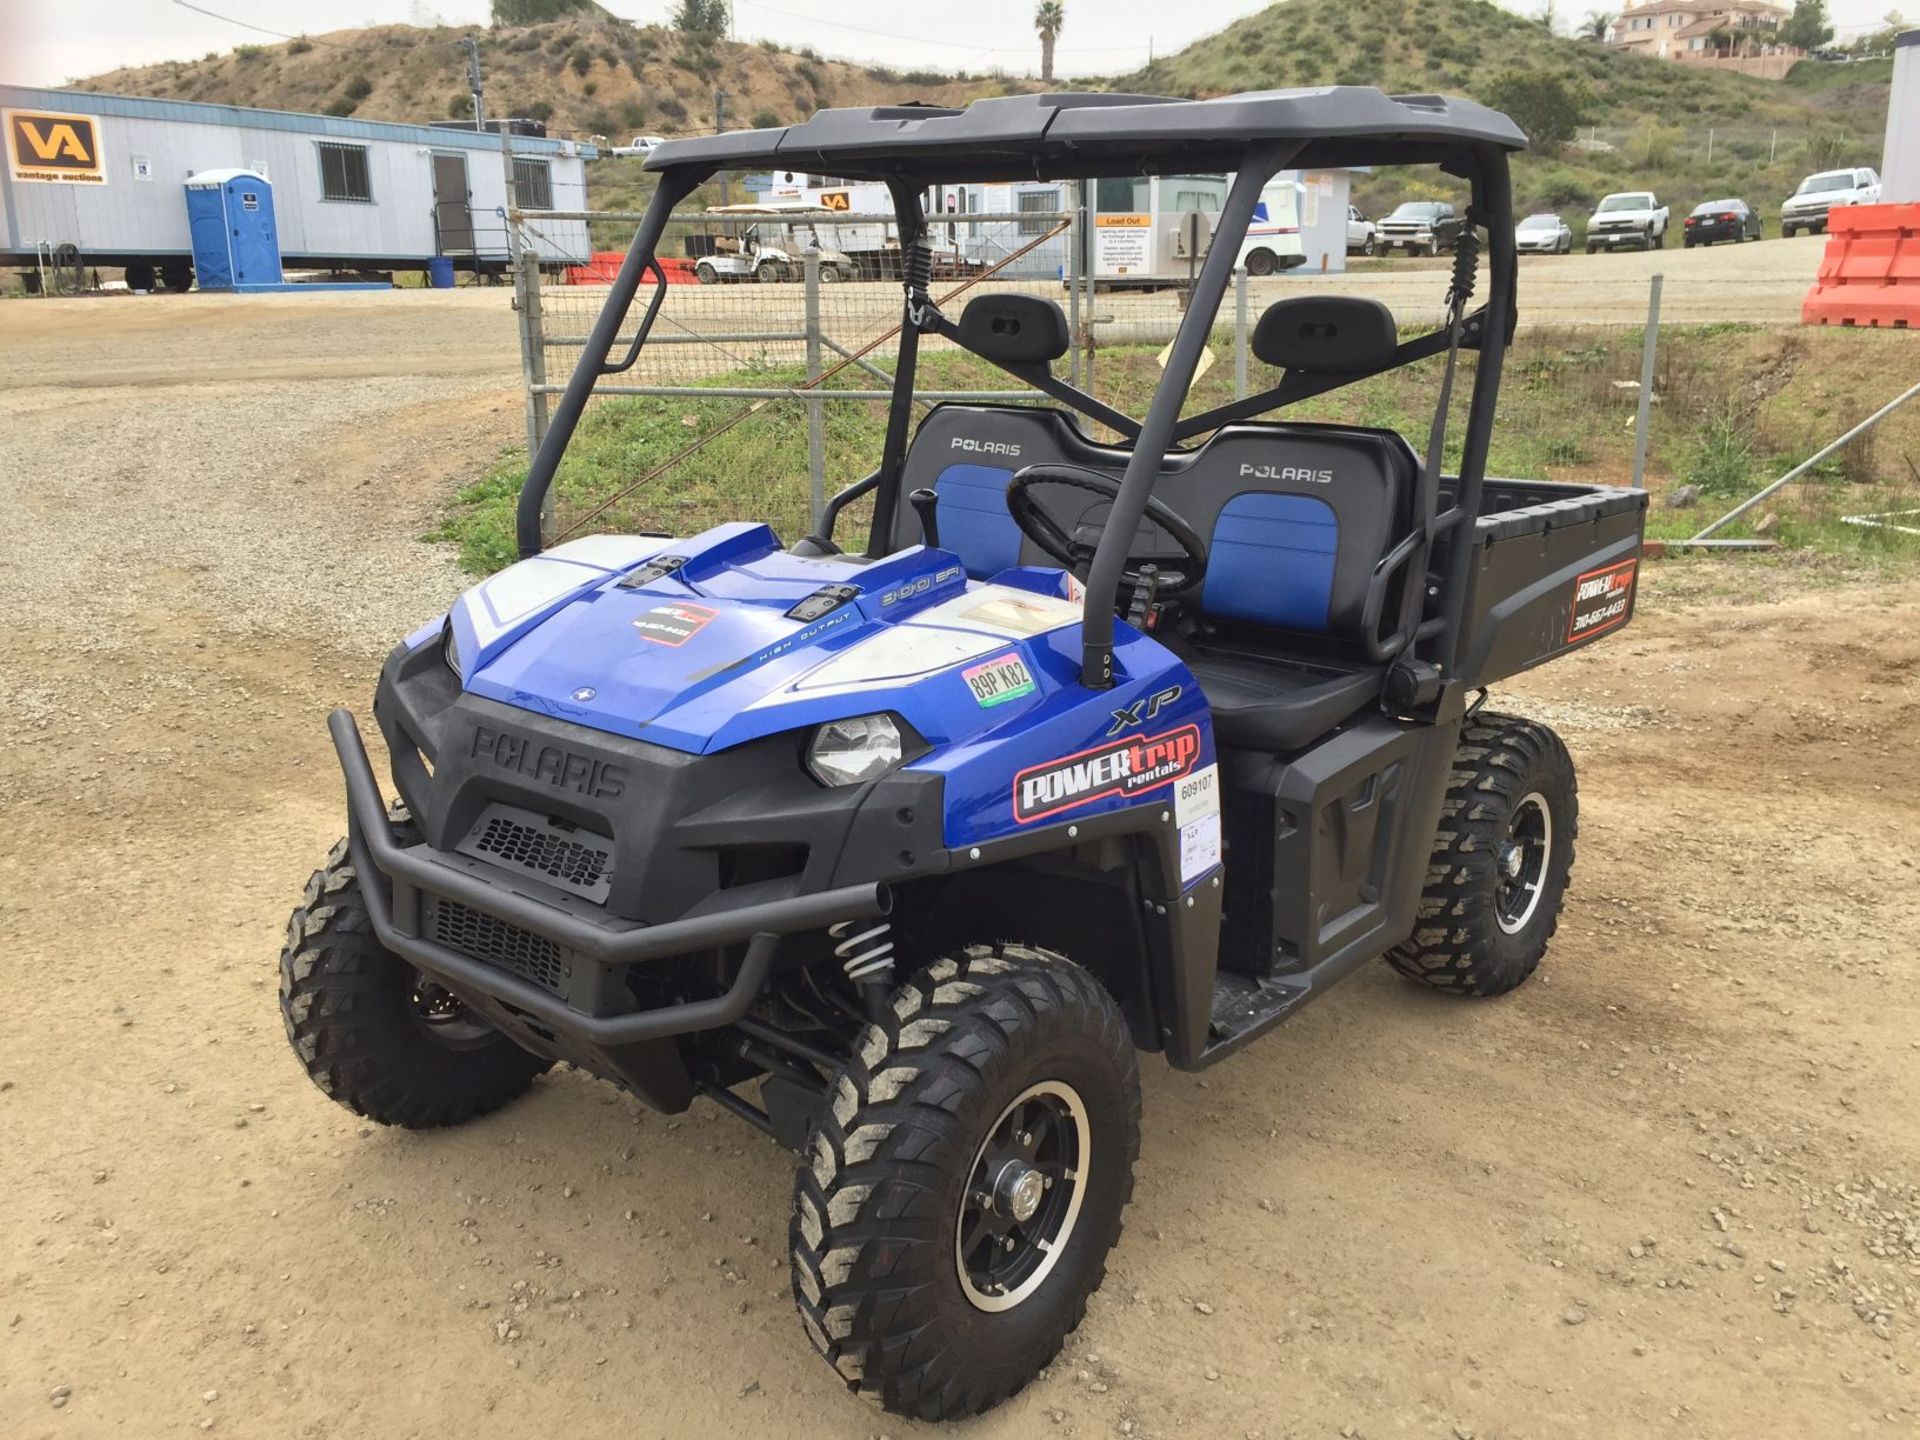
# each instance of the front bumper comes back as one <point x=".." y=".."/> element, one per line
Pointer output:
<point x="1806" y="219"/>
<point x="1638" y="237"/>
<point x="608" y="943"/>
<point x="592" y="1018"/>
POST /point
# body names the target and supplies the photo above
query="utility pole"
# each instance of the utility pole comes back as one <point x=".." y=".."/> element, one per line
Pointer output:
<point x="720" y="98"/>
<point x="475" y="84"/>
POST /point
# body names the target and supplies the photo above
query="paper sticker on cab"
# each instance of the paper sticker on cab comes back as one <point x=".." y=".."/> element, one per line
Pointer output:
<point x="1119" y="767"/>
<point x="1601" y="599"/>
<point x="673" y="624"/>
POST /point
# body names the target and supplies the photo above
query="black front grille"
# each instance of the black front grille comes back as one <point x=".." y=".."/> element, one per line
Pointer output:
<point x="556" y="851"/>
<point x="553" y="855"/>
<point x="531" y="957"/>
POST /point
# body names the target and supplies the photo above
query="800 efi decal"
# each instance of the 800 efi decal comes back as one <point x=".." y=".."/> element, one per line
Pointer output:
<point x="1602" y="599"/>
<point x="1118" y="767"/>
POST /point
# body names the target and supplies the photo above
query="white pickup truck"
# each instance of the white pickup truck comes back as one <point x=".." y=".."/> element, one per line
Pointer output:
<point x="639" y="145"/>
<point x="1633" y="218"/>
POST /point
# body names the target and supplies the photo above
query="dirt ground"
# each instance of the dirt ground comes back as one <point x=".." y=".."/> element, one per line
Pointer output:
<point x="1668" y="1189"/>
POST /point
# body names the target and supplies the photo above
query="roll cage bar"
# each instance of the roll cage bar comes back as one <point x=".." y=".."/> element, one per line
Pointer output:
<point x="1465" y="140"/>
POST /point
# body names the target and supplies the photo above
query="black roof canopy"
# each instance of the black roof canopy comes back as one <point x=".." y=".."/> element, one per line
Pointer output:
<point x="1079" y="134"/>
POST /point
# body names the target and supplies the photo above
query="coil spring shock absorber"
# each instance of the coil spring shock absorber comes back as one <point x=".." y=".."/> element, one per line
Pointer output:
<point x="864" y="954"/>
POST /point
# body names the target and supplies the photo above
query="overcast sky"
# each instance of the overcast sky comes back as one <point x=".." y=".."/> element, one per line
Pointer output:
<point x="46" y="42"/>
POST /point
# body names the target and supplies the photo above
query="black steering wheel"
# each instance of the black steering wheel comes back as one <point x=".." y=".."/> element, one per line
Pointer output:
<point x="1178" y="572"/>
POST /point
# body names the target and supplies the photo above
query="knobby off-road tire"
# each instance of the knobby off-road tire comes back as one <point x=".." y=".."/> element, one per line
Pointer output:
<point x="1500" y="861"/>
<point x="981" y="1046"/>
<point x="371" y="1033"/>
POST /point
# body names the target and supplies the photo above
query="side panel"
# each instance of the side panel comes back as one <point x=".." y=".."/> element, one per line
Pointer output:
<point x="1327" y="853"/>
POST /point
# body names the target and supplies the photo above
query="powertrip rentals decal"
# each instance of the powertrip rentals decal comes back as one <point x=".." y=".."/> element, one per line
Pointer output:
<point x="1117" y="767"/>
<point x="673" y="624"/>
<point x="996" y="681"/>
<point x="1601" y="599"/>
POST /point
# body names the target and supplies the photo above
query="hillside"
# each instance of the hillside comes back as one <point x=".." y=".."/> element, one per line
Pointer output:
<point x="583" y="76"/>
<point x="1690" y="134"/>
<point x="1647" y="121"/>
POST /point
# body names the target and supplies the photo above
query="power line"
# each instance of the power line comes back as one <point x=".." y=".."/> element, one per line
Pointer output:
<point x="257" y="29"/>
<point x="972" y="45"/>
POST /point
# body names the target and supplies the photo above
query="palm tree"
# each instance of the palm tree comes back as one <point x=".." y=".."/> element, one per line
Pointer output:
<point x="1048" y="18"/>
<point x="1597" y="24"/>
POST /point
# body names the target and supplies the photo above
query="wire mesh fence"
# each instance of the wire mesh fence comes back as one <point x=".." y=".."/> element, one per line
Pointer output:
<point x="762" y="387"/>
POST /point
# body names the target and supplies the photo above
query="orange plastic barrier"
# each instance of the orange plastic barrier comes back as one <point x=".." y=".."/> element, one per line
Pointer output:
<point x="1870" y="274"/>
<point x="605" y="264"/>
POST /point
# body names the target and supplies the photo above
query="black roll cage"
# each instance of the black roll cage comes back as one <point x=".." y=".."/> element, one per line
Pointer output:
<point x="1436" y="556"/>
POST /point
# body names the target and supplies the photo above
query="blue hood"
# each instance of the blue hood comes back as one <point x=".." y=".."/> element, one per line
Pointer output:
<point x="742" y="640"/>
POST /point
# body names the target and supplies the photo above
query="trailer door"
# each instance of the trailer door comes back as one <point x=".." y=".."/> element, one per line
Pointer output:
<point x="452" y="204"/>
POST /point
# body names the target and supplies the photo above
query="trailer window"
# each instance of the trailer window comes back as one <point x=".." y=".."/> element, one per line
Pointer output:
<point x="532" y="184"/>
<point x="343" y="172"/>
<point x="1117" y="195"/>
<point x="1038" y="201"/>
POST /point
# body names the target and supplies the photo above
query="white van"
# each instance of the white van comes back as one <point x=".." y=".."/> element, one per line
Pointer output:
<point x="1807" y="207"/>
<point x="1273" y="239"/>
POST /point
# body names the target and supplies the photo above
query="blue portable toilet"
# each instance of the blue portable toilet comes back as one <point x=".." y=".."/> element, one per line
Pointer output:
<point x="236" y="244"/>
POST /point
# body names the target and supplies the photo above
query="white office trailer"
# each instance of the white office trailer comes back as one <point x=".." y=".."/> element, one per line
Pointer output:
<point x="1140" y="229"/>
<point x="100" y="180"/>
<point x="1900" y="165"/>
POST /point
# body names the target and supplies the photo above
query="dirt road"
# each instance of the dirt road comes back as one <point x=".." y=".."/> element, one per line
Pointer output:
<point x="1670" y="1188"/>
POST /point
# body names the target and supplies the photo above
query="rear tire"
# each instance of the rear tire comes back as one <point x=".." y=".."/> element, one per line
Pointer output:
<point x="1000" y="1073"/>
<point x="1260" y="263"/>
<point x="1500" y="862"/>
<point x="375" y="1036"/>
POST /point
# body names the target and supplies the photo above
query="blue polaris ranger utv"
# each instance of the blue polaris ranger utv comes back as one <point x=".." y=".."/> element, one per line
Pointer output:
<point x="1109" y="734"/>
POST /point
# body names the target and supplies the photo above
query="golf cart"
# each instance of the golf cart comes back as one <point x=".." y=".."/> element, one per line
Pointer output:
<point x="769" y="251"/>
<point x="901" y="845"/>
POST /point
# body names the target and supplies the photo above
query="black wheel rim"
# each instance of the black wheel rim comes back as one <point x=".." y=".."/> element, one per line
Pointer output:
<point x="1023" y="1196"/>
<point x="1521" y="863"/>
<point x="443" y="1017"/>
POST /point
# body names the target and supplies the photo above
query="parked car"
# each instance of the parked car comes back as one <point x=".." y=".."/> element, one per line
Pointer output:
<point x="1633" y="218"/>
<point x="1807" y="207"/>
<point x="1713" y="220"/>
<point x="640" y="145"/>
<point x="1542" y="235"/>
<point x="1420" y="227"/>
<point x="1363" y="236"/>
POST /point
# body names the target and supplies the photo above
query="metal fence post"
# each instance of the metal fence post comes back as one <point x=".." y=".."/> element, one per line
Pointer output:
<point x="816" y="417"/>
<point x="1648" y="345"/>
<point x="1075" y="237"/>
<point x="1240" y="332"/>
<point x="533" y="353"/>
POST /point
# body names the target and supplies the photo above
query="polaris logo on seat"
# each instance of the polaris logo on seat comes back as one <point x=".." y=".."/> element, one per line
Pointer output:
<point x="1286" y="473"/>
<point x="984" y="447"/>
<point x="1119" y="767"/>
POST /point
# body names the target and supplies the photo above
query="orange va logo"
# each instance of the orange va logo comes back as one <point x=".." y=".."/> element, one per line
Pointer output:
<point x="67" y="144"/>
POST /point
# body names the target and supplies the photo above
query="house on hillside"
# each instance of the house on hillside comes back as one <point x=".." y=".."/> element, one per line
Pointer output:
<point x="1739" y="35"/>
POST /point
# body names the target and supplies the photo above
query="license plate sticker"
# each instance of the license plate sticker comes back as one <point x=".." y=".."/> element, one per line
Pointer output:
<point x="996" y="681"/>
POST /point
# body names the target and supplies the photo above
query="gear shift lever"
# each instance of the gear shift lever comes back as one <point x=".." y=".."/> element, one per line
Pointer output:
<point x="925" y="502"/>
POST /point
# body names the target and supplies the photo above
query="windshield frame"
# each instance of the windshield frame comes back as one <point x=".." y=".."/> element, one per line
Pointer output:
<point x="1440" y="542"/>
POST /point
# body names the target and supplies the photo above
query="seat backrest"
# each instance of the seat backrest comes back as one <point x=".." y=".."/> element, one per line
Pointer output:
<point x="967" y="455"/>
<point x="1297" y="518"/>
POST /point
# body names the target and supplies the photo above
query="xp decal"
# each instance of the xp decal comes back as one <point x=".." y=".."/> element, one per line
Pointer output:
<point x="1114" y="767"/>
<point x="674" y="624"/>
<point x="1148" y="707"/>
<point x="1602" y="599"/>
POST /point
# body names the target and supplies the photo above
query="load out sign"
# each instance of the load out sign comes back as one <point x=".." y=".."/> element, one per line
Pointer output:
<point x="47" y="145"/>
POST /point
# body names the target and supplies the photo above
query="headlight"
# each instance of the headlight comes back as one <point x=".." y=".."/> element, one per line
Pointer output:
<point x="449" y="651"/>
<point x="845" y="752"/>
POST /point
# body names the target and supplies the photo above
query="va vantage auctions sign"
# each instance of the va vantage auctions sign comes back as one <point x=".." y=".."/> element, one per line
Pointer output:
<point x="47" y="145"/>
